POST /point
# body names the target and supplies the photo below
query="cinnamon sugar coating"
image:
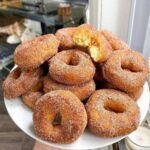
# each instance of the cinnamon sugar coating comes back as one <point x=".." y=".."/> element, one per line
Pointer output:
<point x="33" y="53"/>
<point x="82" y="91"/>
<point x="59" y="117"/>
<point x="18" y="82"/>
<point x="112" y="113"/>
<point x="127" y="70"/>
<point x="71" y="67"/>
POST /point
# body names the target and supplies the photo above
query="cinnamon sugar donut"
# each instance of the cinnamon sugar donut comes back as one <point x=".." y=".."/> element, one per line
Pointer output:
<point x="30" y="98"/>
<point x="33" y="53"/>
<point x="82" y="91"/>
<point x="98" y="47"/>
<point x="33" y="95"/>
<point x="65" y="37"/>
<point x="114" y="41"/>
<point x="112" y="113"/>
<point x="71" y="67"/>
<point x="59" y="116"/>
<point x="134" y="95"/>
<point x="127" y="70"/>
<point x="19" y="82"/>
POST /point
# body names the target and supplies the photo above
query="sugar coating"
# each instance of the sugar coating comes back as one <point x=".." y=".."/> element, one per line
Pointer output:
<point x="114" y="41"/>
<point x="74" y="117"/>
<point x="126" y="69"/>
<point x="80" y="72"/>
<point x="14" y="87"/>
<point x="105" y="123"/>
<point x="82" y="91"/>
<point x="33" y="53"/>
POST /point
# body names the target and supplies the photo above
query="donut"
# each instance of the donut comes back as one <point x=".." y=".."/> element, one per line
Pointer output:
<point x="33" y="53"/>
<point x="65" y="37"/>
<point x="59" y="117"/>
<point x="112" y="113"/>
<point x="127" y="70"/>
<point x="18" y="82"/>
<point x="98" y="47"/>
<point x="30" y="98"/>
<point x="33" y="95"/>
<point x="71" y="67"/>
<point x="134" y="95"/>
<point x="82" y="91"/>
<point x="114" y="41"/>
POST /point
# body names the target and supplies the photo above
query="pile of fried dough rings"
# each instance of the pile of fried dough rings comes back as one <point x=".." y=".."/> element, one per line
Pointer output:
<point x="78" y="78"/>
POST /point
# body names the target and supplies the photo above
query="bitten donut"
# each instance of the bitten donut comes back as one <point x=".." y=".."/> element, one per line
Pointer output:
<point x="71" y="67"/>
<point x="82" y="91"/>
<point x="59" y="116"/>
<point x="127" y="70"/>
<point x="33" y="53"/>
<point x="114" y="41"/>
<point x="112" y="113"/>
<point x="19" y="82"/>
<point x="98" y="47"/>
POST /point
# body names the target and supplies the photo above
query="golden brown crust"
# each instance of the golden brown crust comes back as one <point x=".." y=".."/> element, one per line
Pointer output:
<point x="30" y="98"/>
<point x="82" y="91"/>
<point x="65" y="37"/>
<point x="19" y="82"/>
<point x="127" y="70"/>
<point x="71" y="67"/>
<point x="134" y="95"/>
<point x="112" y="113"/>
<point x="114" y="41"/>
<point x="33" y="53"/>
<point x="72" y="117"/>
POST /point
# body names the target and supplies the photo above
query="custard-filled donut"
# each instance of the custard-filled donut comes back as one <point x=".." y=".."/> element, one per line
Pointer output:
<point x="59" y="116"/>
<point x="33" y="53"/>
<point x="112" y="113"/>
<point x="127" y="70"/>
<point x="71" y="67"/>
<point x="114" y="41"/>
<point x="82" y="91"/>
<point x="19" y="82"/>
<point x="30" y="98"/>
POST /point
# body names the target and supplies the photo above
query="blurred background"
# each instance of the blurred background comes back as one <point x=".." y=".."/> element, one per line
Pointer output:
<point x="22" y="20"/>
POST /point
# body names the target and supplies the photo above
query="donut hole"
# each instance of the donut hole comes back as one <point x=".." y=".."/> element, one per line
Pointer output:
<point x="17" y="73"/>
<point x="128" y="66"/>
<point x="57" y="119"/>
<point x="114" y="106"/>
<point x="73" y="61"/>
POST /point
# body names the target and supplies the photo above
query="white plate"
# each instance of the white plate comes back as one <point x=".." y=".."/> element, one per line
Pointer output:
<point x="22" y="116"/>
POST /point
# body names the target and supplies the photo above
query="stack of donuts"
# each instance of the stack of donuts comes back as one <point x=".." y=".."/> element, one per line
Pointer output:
<point x="78" y="78"/>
